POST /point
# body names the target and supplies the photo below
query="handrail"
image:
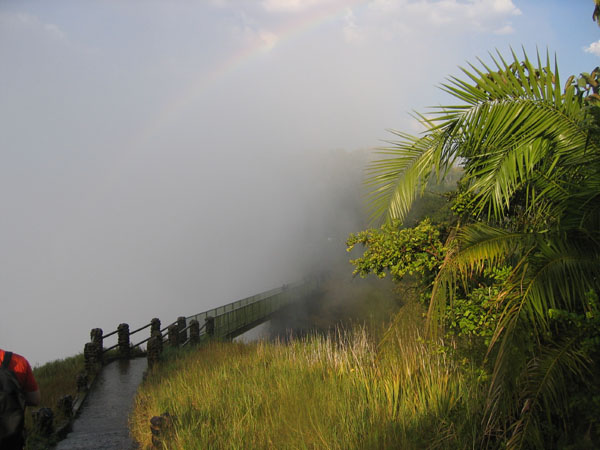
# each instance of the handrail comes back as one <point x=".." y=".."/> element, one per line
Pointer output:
<point x="140" y="329"/>
<point x="190" y="325"/>
<point x="142" y="342"/>
<point x="110" y="334"/>
<point x="228" y="320"/>
<point x="167" y="327"/>
<point x="110" y="348"/>
<point x="188" y="340"/>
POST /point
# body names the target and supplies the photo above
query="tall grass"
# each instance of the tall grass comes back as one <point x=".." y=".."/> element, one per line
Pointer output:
<point x="55" y="379"/>
<point x="340" y="391"/>
<point x="58" y="378"/>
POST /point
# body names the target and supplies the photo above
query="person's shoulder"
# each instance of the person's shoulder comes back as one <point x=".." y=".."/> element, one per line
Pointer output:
<point x="18" y="361"/>
<point x="18" y="357"/>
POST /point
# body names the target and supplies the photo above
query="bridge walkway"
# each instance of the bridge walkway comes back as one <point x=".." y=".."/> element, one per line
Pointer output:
<point x="103" y="422"/>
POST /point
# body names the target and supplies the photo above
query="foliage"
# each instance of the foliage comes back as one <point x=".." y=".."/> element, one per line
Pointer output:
<point x="529" y="200"/>
<point x="418" y="252"/>
<point x="399" y="251"/>
<point x="475" y="313"/>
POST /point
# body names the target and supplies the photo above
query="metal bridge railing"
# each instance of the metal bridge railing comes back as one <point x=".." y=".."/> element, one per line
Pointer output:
<point x="234" y="318"/>
<point x="223" y="322"/>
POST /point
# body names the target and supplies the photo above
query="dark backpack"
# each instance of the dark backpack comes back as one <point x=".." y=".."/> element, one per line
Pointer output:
<point x="12" y="402"/>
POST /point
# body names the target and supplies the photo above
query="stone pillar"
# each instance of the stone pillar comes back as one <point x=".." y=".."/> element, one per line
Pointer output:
<point x="65" y="406"/>
<point x="96" y="336"/>
<point x="155" y="332"/>
<point x="43" y="421"/>
<point x="194" y="331"/>
<point x="159" y="340"/>
<point x="123" y="334"/>
<point x="173" y="335"/>
<point x="90" y="357"/>
<point x="182" y="334"/>
<point x="154" y="326"/>
<point x="154" y="350"/>
<point x="82" y="382"/>
<point x="97" y="339"/>
<point x="159" y="426"/>
<point x="210" y="326"/>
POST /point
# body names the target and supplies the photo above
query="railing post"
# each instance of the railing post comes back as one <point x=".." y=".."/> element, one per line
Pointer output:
<point x="154" y="326"/>
<point x="159" y="427"/>
<point x="123" y="335"/>
<point x="155" y="333"/>
<point x="65" y="406"/>
<point x="182" y="334"/>
<point x="194" y="331"/>
<point x="82" y="382"/>
<point x="97" y="339"/>
<point x="90" y="357"/>
<point x="154" y="349"/>
<point x="43" y="421"/>
<point x="210" y="326"/>
<point x="173" y="335"/>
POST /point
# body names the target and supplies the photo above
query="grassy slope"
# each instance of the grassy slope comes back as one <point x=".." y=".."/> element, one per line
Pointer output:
<point x="56" y="379"/>
<point x="340" y="391"/>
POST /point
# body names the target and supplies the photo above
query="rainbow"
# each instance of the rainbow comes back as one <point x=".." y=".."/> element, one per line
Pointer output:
<point x="301" y="24"/>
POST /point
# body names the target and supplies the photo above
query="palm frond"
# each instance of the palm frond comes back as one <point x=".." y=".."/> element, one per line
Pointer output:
<point x="395" y="182"/>
<point x="513" y="126"/>
<point x="544" y="386"/>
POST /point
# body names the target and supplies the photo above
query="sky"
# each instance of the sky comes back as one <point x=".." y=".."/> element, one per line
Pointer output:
<point x="160" y="158"/>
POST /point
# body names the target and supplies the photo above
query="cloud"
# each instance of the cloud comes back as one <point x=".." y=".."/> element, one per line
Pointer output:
<point x="250" y="33"/>
<point x="490" y="16"/>
<point x="32" y="24"/>
<point x="267" y="40"/>
<point x="351" y="30"/>
<point x="55" y="31"/>
<point x="506" y="29"/>
<point x="258" y="38"/>
<point x="293" y="5"/>
<point x="593" y="48"/>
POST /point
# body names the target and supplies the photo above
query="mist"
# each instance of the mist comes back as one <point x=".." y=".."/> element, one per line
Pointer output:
<point x="162" y="158"/>
<point x="167" y="240"/>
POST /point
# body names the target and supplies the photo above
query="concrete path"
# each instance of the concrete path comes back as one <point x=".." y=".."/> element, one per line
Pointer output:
<point x="102" y="423"/>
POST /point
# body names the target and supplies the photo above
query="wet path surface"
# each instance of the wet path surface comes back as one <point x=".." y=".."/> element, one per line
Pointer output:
<point x="102" y="424"/>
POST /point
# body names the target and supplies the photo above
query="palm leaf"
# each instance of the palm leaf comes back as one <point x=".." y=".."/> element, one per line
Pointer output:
<point x="545" y="380"/>
<point x="513" y="127"/>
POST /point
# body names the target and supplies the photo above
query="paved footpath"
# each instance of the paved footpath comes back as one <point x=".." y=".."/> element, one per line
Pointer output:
<point x="102" y="424"/>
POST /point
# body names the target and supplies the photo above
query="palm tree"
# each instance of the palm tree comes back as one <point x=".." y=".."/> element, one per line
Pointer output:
<point x="531" y="157"/>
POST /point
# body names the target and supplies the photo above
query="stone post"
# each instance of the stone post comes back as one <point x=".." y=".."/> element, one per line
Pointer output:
<point x="210" y="326"/>
<point x="182" y="334"/>
<point x="65" y="406"/>
<point x="155" y="332"/>
<point x="123" y="335"/>
<point x="97" y="339"/>
<point x="194" y="331"/>
<point x="173" y="335"/>
<point x="43" y="421"/>
<point x="159" y="426"/>
<point x="154" y="349"/>
<point x="82" y="382"/>
<point x="159" y="340"/>
<point x="90" y="357"/>
<point x="154" y="326"/>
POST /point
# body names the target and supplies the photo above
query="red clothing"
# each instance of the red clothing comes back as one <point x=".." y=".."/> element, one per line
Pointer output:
<point x="20" y="366"/>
